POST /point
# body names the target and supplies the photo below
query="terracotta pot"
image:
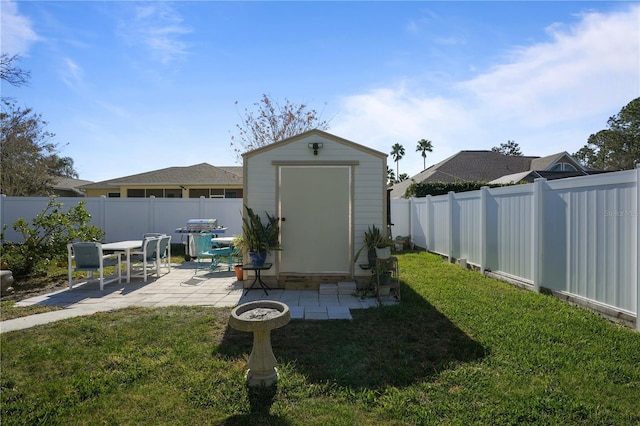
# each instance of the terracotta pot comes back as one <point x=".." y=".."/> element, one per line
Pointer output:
<point x="239" y="272"/>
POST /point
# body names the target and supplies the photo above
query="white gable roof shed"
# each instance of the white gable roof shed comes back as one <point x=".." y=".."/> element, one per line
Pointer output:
<point x="326" y="191"/>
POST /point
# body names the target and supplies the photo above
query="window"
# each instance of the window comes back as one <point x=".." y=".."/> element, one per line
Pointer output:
<point x="217" y="193"/>
<point x="154" y="192"/>
<point x="563" y="167"/>
<point x="158" y="193"/>
<point x="197" y="193"/>
<point x="173" y="193"/>
<point x="233" y="193"/>
<point x="113" y="195"/>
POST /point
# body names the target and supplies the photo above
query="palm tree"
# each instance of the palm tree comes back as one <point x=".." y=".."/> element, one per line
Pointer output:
<point x="397" y="152"/>
<point x="424" y="146"/>
<point x="391" y="176"/>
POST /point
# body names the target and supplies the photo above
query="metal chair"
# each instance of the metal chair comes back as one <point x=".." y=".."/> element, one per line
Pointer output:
<point x="89" y="257"/>
<point x="204" y="250"/>
<point x="145" y="260"/>
<point x="164" y="253"/>
<point x="221" y="253"/>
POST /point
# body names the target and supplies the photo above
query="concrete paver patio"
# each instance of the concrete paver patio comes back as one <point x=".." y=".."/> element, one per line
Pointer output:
<point x="182" y="287"/>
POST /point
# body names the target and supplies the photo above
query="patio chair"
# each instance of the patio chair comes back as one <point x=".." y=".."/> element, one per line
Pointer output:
<point x="164" y="253"/>
<point x="221" y="253"/>
<point x="204" y="250"/>
<point x="89" y="257"/>
<point x="144" y="261"/>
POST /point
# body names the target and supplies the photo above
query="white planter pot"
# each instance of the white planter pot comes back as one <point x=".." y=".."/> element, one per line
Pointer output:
<point x="383" y="253"/>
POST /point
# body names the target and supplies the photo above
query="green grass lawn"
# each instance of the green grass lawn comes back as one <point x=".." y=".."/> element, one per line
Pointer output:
<point x="460" y="349"/>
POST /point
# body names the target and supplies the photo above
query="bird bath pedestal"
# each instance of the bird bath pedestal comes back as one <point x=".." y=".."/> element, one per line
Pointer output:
<point x="260" y="317"/>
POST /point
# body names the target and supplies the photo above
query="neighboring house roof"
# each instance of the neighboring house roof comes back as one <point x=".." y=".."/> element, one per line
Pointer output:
<point x="64" y="186"/>
<point x="488" y="166"/>
<point x="199" y="174"/>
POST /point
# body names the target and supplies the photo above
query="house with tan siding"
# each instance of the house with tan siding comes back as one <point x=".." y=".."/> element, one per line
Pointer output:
<point x="200" y="180"/>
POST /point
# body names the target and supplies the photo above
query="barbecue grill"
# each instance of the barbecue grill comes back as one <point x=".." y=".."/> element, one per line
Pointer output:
<point x="198" y="226"/>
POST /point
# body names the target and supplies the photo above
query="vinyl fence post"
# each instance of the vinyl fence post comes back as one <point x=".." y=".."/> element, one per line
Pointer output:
<point x="637" y="246"/>
<point x="411" y="219"/>
<point x="428" y="218"/>
<point x="102" y="219"/>
<point x="151" y="224"/>
<point x="451" y="225"/>
<point x="536" y="231"/>
<point x="484" y="193"/>
<point x="201" y="214"/>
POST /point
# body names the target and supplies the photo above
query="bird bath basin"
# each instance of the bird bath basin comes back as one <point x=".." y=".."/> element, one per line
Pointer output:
<point x="260" y="317"/>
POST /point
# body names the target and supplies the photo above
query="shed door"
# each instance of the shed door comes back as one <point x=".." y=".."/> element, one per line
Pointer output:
<point x="315" y="203"/>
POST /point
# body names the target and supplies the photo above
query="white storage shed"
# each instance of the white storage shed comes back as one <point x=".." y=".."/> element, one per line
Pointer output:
<point x="326" y="191"/>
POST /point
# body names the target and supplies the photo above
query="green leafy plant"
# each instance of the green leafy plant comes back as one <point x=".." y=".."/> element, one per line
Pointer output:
<point x="372" y="237"/>
<point x="46" y="237"/>
<point x="239" y="246"/>
<point x="260" y="236"/>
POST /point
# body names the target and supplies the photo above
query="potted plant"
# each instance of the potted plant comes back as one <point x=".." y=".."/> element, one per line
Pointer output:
<point x="372" y="237"/>
<point x="238" y="248"/>
<point x="383" y="248"/>
<point x="384" y="279"/>
<point x="260" y="238"/>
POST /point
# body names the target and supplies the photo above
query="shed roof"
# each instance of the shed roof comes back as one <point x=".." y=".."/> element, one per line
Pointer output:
<point x="315" y="132"/>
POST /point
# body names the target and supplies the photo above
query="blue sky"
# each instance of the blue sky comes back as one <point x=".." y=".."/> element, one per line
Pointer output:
<point x="129" y="87"/>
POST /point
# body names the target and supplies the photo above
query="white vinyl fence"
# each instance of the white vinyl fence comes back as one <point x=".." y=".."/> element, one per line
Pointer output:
<point x="128" y="218"/>
<point x="577" y="237"/>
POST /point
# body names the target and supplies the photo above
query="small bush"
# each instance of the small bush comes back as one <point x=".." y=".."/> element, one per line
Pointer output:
<point x="45" y="239"/>
<point x="422" y="189"/>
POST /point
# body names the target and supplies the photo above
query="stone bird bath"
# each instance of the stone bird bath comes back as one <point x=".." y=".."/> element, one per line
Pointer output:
<point x="260" y="317"/>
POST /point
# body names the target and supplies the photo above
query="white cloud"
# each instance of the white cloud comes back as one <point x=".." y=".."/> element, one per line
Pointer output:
<point x="17" y="33"/>
<point x="158" y="27"/>
<point x="71" y="73"/>
<point x="582" y="70"/>
<point x="548" y="97"/>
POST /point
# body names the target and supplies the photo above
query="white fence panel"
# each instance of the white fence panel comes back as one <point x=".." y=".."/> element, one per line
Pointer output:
<point x="467" y="227"/>
<point x="400" y="217"/>
<point x="595" y="253"/>
<point x="510" y="227"/>
<point x="438" y="210"/>
<point x="576" y="236"/>
<point x="418" y="231"/>
<point x="129" y="218"/>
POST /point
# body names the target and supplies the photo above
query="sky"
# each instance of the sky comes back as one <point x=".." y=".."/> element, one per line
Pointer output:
<point x="130" y="87"/>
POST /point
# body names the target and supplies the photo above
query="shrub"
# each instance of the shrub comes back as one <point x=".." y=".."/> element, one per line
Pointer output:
<point x="45" y="239"/>
<point x="422" y="189"/>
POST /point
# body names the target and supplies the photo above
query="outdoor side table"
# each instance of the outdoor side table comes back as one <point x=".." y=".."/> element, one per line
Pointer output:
<point x="258" y="278"/>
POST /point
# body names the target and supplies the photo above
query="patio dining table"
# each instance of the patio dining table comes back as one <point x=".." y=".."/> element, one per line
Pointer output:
<point x="124" y="247"/>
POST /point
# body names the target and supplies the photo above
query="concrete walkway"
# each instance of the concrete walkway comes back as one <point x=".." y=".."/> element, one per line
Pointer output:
<point x="181" y="287"/>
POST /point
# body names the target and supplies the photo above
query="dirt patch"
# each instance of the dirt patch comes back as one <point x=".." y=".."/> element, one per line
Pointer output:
<point x="25" y="288"/>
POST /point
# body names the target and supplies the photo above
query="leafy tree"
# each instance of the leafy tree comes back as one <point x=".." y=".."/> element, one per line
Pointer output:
<point x="12" y="74"/>
<point x="424" y="146"/>
<point x="618" y="147"/>
<point x="403" y="177"/>
<point x="422" y="189"/>
<point x="397" y="152"/>
<point x="26" y="152"/>
<point x="63" y="167"/>
<point x="508" y="148"/>
<point x="28" y="159"/>
<point x="46" y="237"/>
<point x="391" y="176"/>
<point x="272" y="122"/>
